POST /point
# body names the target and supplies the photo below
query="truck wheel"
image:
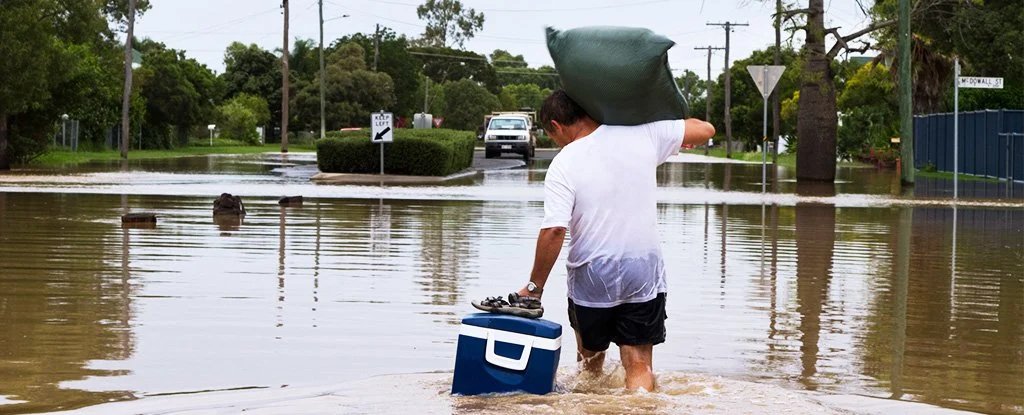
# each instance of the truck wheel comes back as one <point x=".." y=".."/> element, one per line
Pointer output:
<point x="490" y="154"/>
<point x="526" y="155"/>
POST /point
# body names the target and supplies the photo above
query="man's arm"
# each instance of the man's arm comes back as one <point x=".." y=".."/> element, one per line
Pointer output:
<point x="697" y="132"/>
<point x="549" y="245"/>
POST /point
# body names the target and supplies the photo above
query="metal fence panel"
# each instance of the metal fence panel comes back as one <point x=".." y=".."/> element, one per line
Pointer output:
<point x="983" y="150"/>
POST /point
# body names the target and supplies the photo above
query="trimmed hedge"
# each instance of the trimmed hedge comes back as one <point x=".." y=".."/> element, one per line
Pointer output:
<point x="434" y="152"/>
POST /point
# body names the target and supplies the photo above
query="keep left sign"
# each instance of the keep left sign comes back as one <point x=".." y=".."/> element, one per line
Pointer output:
<point x="382" y="127"/>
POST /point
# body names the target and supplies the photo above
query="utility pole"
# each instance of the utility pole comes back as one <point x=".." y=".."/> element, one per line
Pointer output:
<point x="728" y="86"/>
<point x="376" y="46"/>
<point x="776" y="102"/>
<point x="323" y="111"/>
<point x="906" y="97"/>
<point x="707" y="89"/>
<point x="126" y="100"/>
<point x="284" y="82"/>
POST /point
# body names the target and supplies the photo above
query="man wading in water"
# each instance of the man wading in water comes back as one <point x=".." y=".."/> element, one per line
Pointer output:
<point x="601" y="188"/>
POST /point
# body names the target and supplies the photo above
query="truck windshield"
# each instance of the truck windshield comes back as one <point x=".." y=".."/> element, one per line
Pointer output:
<point x="507" y="124"/>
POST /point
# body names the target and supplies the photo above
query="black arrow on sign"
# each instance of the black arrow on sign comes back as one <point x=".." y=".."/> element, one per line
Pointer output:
<point x="380" y="135"/>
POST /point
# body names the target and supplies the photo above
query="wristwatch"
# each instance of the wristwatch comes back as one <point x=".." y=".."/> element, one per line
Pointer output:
<point x="533" y="288"/>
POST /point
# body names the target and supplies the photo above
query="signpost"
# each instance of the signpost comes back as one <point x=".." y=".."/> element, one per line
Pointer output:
<point x="211" y="127"/>
<point x="382" y="128"/>
<point x="964" y="82"/>
<point x="766" y="77"/>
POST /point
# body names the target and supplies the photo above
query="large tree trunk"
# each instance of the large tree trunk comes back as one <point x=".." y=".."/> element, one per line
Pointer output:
<point x="5" y="155"/>
<point x="816" y="124"/>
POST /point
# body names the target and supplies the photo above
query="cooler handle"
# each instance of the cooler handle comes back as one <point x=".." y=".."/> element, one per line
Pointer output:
<point x="511" y="338"/>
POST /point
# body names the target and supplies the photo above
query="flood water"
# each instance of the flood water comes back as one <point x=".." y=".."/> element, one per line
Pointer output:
<point x="858" y="288"/>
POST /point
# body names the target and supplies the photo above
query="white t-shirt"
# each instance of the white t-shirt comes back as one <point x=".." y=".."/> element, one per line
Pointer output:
<point x="602" y="188"/>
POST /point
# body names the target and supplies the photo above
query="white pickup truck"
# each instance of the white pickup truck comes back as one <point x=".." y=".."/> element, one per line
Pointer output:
<point x="509" y="132"/>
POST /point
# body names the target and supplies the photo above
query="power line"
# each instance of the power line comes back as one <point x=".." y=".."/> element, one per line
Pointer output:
<point x="213" y="28"/>
<point x="565" y="9"/>
<point x="529" y="73"/>
<point x="474" y="58"/>
<point x="422" y="26"/>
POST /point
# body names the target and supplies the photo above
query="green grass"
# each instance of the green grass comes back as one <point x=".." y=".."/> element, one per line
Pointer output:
<point x="196" y="148"/>
<point x="949" y="176"/>
<point x="785" y="159"/>
<point x="788" y="160"/>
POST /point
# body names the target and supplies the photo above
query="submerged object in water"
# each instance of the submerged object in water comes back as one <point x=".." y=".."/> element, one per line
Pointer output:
<point x="227" y="204"/>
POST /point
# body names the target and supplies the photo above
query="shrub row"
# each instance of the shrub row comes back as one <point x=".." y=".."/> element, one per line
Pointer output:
<point x="435" y="152"/>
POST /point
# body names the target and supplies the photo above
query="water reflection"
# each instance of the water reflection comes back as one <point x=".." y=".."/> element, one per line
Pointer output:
<point x="228" y="223"/>
<point x="845" y="300"/>
<point x="64" y="304"/>
<point x="815" y="241"/>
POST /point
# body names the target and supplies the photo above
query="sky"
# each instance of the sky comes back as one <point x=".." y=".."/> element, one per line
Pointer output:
<point x="204" y="28"/>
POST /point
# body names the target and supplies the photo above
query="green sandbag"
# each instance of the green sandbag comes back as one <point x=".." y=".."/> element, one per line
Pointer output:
<point x="619" y="75"/>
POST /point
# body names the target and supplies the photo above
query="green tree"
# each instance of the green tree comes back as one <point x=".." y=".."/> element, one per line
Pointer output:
<point x="51" y="49"/>
<point x="304" y="59"/>
<point x="526" y="96"/>
<point x="747" y="104"/>
<point x="817" y="121"/>
<point x="986" y="35"/>
<point x="448" y="23"/>
<point x="513" y="69"/>
<point x="870" y="112"/>
<point x="694" y="89"/>
<point x="435" y="101"/>
<point x="256" y="105"/>
<point x="394" y="60"/>
<point x="237" y="121"/>
<point x="352" y="93"/>
<point x="467" y="103"/>
<point x="180" y="93"/>
<point x="254" y="71"/>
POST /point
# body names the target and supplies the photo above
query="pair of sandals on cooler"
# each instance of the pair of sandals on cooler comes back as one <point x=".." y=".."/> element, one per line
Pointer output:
<point x="516" y="305"/>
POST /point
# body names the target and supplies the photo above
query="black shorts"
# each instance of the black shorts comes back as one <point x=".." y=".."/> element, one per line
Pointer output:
<point x="625" y="324"/>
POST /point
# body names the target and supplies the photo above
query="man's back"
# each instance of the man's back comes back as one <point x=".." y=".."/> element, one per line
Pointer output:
<point x="602" y="188"/>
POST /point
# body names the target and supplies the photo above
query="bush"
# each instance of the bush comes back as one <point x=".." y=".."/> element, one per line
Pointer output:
<point x="414" y="152"/>
<point x="238" y="122"/>
<point x="545" y="141"/>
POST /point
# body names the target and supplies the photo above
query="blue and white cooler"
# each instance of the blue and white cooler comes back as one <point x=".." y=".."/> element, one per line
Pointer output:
<point x="500" y="353"/>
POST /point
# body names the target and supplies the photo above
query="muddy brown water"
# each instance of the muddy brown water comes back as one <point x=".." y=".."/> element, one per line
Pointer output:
<point x="858" y="288"/>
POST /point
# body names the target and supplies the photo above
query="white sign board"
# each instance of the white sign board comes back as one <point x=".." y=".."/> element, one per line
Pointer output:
<point x="979" y="82"/>
<point x="382" y="127"/>
<point x="766" y="77"/>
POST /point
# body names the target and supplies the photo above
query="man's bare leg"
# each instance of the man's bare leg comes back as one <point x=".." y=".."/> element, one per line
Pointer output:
<point x="639" y="364"/>
<point x="593" y="362"/>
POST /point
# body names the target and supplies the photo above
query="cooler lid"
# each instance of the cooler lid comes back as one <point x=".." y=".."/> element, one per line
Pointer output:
<point x="533" y="327"/>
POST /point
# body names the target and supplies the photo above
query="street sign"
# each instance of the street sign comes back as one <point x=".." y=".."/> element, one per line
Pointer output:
<point x="766" y="77"/>
<point x="980" y="82"/>
<point x="382" y="127"/>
